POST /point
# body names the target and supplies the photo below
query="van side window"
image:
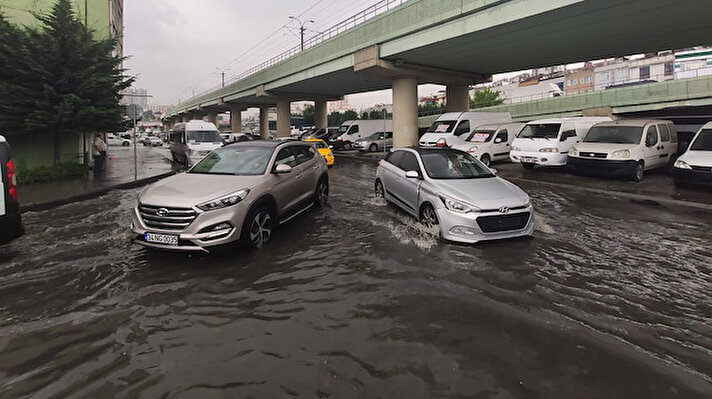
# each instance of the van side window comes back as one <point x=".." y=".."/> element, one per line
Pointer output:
<point x="409" y="162"/>
<point x="652" y="137"/>
<point x="285" y="156"/>
<point x="462" y="128"/>
<point x="664" y="132"/>
<point x="502" y="136"/>
<point x="673" y="133"/>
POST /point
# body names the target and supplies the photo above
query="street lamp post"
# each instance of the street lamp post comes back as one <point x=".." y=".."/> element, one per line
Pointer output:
<point x="301" y="28"/>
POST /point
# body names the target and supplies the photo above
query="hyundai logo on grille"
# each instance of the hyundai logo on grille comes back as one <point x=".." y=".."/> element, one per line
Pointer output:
<point x="504" y="209"/>
<point x="162" y="212"/>
<point x="591" y="155"/>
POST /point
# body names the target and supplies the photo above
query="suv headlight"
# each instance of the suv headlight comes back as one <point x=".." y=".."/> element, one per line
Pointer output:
<point x="573" y="152"/>
<point x="623" y="154"/>
<point x="224" y="201"/>
<point x="682" y="165"/>
<point x="554" y="149"/>
<point x="458" y="206"/>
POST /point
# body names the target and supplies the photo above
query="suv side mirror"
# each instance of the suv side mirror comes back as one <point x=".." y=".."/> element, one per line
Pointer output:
<point x="282" y="168"/>
<point x="412" y="174"/>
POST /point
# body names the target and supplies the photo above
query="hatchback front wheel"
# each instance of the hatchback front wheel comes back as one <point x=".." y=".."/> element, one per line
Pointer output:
<point x="428" y="217"/>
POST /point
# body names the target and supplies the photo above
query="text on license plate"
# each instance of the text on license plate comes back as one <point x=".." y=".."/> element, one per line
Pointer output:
<point x="528" y="159"/>
<point x="165" y="239"/>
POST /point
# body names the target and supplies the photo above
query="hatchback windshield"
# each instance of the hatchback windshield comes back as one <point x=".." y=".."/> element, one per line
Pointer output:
<point x="453" y="165"/>
<point x="481" y="136"/>
<point x="614" y="134"/>
<point x="540" y="131"/>
<point x="234" y="160"/>
<point x="203" y="136"/>
<point x="442" y="127"/>
<point x="703" y="142"/>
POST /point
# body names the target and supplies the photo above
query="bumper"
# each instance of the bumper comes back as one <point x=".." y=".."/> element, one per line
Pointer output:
<point x="329" y="160"/>
<point x="539" y="158"/>
<point x="10" y="227"/>
<point x="193" y="238"/>
<point x="465" y="228"/>
<point x="601" y="167"/>
<point x="692" y="177"/>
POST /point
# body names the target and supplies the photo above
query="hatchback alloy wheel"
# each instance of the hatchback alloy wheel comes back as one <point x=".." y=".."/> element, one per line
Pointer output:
<point x="428" y="217"/>
<point x="379" y="190"/>
<point x="260" y="228"/>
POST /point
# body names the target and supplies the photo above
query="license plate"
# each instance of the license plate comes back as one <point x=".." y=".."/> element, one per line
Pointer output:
<point x="165" y="239"/>
<point x="528" y="159"/>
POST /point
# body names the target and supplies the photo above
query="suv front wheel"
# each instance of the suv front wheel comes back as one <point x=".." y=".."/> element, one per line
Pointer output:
<point x="258" y="227"/>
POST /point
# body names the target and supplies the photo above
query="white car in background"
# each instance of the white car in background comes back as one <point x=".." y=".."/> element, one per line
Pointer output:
<point x="491" y="142"/>
<point x="694" y="166"/>
<point x="114" y="140"/>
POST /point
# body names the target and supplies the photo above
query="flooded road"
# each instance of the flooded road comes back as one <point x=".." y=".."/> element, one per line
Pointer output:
<point x="611" y="299"/>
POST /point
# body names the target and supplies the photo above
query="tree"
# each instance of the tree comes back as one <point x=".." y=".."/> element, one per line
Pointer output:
<point x="486" y="98"/>
<point x="375" y="114"/>
<point x="350" y="115"/>
<point x="309" y="115"/>
<point x="364" y="115"/>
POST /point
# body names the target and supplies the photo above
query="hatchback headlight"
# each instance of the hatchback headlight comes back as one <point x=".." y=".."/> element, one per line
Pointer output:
<point x="682" y="165"/>
<point x="623" y="154"/>
<point x="458" y="206"/>
<point x="554" y="149"/>
<point x="472" y="150"/>
<point x="515" y="148"/>
<point x="573" y="152"/>
<point x="224" y="201"/>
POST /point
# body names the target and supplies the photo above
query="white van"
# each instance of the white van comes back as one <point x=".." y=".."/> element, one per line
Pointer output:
<point x="491" y="142"/>
<point x="452" y="128"/>
<point x="625" y="148"/>
<point x="694" y="167"/>
<point x="547" y="142"/>
<point x="191" y="141"/>
<point x="350" y="131"/>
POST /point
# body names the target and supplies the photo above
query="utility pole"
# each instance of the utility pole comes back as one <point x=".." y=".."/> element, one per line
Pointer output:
<point x="222" y="74"/>
<point x="302" y="29"/>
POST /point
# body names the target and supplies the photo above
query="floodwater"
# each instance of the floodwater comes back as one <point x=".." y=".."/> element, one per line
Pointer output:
<point x="610" y="299"/>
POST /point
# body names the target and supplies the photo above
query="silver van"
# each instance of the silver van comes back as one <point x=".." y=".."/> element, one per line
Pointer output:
<point x="191" y="141"/>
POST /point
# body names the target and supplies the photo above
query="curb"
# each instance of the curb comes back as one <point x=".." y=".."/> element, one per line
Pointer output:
<point x="42" y="206"/>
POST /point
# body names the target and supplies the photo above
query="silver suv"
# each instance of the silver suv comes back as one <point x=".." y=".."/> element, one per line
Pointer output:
<point x="239" y="192"/>
<point x="452" y="189"/>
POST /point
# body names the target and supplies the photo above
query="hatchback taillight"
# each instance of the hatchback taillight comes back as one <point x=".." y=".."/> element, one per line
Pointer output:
<point x="11" y="181"/>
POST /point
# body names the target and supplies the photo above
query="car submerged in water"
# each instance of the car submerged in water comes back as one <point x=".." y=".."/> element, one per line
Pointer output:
<point x="452" y="189"/>
<point x="240" y="192"/>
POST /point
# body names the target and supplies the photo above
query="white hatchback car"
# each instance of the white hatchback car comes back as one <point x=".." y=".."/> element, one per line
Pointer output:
<point x="452" y="189"/>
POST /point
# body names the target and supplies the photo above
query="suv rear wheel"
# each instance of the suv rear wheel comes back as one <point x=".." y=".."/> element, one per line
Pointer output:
<point x="321" y="195"/>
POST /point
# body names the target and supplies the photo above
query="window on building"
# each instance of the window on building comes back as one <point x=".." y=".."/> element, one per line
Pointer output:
<point x="573" y="82"/>
<point x="669" y="68"/>
<point x="603" y="76"/>
<point x="621" y="73"/>
<point x="645" y="72"/>
<point x="586" y="79"/>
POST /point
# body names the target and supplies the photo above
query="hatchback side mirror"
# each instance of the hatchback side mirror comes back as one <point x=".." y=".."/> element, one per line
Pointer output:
<point x="282" y="168"/>
<point x="412" y="174"/>
<point x="493" y="170"/>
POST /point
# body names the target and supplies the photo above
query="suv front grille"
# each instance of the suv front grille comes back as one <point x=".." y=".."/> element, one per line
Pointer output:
<point x="166" y="218"/>
<point x="497" y="223"/>
<point x="593" y="154"/>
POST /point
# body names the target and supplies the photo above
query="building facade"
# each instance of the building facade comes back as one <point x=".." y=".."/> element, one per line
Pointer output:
<point x="579" y="80"/>
<point x="693" y="63"/>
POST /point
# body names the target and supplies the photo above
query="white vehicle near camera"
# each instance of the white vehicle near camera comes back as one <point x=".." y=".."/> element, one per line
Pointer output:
<point x="625" y="148"/>
<point x="192" y="141"/>
<point x="694" y="166"/>
<point x="492" y="142"/>
<point x="452" y="189"/>
<point x="546" y="142"/>
<point x="350" y="131"/>
<point x="452" y="128"/>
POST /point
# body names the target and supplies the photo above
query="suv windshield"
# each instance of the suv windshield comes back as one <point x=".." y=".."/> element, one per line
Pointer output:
<point x="203" y="136"/>
<point x="614" y="134"/>
<point x="703" y="142"/>
<point x="442" y="127"/>
<point x="235" y="160"/>
<point x="444" y="164"/>
<point x="481" y="136"/>
<point x="540" y="131"/>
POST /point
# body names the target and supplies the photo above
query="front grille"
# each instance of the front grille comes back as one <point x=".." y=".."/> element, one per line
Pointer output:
<point x="169" y="218"/>
<point x="497" y="223"/>
<point x="702" y="168"/>
<point x="593" y="154"/>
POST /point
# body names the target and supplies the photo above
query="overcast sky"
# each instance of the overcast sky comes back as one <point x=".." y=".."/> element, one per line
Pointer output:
<point x="175" y="46"/>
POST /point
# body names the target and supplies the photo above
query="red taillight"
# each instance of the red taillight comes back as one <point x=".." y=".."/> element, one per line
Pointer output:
<point x="441" y="143"/>
<point x="12" y="188"/>
<point x="339" y="139"/>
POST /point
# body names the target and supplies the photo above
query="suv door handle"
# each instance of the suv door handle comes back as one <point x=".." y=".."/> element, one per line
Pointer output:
<point x="315" y="167"/>
<point x="297" y="176"/>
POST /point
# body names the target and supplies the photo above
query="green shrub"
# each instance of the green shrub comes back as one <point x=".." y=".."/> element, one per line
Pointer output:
<point x="50" y="173"/>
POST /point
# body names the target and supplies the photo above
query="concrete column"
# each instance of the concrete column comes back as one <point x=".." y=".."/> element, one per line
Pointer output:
<point x="284" y="116"/>
<point x="264" y="122"/>
<point x="405" y="112"/>
<point x="457" y="98"/>
<point x="236" y="118"/>
<point x="185" y="118"/>
<point x="320" y="117"/>
<point x="213" y="117"/>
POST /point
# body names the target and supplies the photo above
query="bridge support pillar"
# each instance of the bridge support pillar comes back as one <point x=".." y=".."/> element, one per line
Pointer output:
<point x="457" y="98"/>
<point x="213" y="118"/>
<point x="236" y="118"/>
<point x="405" y="112"/>
<point x="320" y="117"/>
<point x="284" y="116"/>
<point x="264" y="122"/>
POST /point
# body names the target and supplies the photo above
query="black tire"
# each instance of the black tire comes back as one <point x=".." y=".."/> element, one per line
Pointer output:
<point x="528" y="166"/>
<point x="258" y="227"/>
<point x="373" y="147"/>
<point x="638" y="172"/>
<point x="321" y="194"/>
<point x="428" y="217"/>
<point x="485" y="159"/>
<point x="125" y="144"/>
<point x="378" y="190"/>
<point x="347" y="146"/>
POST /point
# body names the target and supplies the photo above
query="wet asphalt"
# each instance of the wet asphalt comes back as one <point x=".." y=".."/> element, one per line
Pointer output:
<point x="610" y="299"/>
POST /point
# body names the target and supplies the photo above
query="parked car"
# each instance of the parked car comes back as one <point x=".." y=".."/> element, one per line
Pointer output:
<point x="452" y="128"/>
<point x="376" y="142"/>
<point x="694" y="166"/>
<point x="350" y="131"/>
<point x="10" y="219"/>
<point x="491" y="142"/>
<point x="323" y="149"/>
<point x="624" y="148"/>
<point x="452" y="189"/>
<point x="547" y="142"/>
<point x="240" y="192"/>
<point x="154" y="141"/>
<point x="191" y="141"/>
<point x="114" y="140"/>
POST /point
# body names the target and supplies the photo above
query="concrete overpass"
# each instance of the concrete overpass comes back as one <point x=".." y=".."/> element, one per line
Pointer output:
<point x="455" y="43"/>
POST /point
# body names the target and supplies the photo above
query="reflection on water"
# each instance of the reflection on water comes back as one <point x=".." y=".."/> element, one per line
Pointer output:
<point x="609" y="300"/>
